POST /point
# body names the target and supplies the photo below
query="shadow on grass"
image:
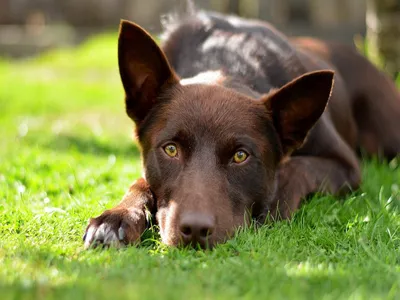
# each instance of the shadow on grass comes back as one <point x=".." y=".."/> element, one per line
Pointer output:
<point x="88" y="145"/>
<point x="116" y="273"/>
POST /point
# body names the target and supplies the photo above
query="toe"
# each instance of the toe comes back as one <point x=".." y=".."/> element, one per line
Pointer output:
<point x="89" y="236"/>
<point x="121" y="234"/>
<point x="111" y="239"/>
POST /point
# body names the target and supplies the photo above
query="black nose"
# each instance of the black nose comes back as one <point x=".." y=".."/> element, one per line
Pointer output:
<point x="197" y="228"/>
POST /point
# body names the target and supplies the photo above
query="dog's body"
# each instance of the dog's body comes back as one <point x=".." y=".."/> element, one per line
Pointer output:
<point x="243" y="131"/>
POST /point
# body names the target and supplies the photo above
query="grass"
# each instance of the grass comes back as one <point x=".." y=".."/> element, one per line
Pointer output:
<point x="66" y="155"/>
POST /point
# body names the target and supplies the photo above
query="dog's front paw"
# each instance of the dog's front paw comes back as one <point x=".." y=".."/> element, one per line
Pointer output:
<point x="115" y="227"/>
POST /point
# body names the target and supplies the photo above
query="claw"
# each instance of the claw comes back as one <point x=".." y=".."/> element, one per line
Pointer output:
<point x="121" y="234"/>
<point x="111" y="239"/>
<point x="89" y="236"/>
<point x="100" y="233"/>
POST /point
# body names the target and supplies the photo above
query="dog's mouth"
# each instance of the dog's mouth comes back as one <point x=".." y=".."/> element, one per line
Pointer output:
<point x="204" y="243"/>
<point x="200" y="240"/>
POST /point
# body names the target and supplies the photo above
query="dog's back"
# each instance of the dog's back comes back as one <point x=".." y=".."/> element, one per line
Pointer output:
<point x="248" y="51"/>
<point x="375" y="100"/>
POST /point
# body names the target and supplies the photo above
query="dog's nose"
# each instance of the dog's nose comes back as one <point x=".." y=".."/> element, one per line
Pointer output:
<point x="197" y="228"/>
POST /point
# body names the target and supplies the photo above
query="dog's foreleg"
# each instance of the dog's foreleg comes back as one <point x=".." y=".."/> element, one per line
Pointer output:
<point x="301" y="176"/>
<point x="125" y="223"/>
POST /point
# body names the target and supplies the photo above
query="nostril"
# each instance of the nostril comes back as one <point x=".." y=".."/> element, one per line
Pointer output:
<point x="186" y="230"/>
<point x="205" y="232"/>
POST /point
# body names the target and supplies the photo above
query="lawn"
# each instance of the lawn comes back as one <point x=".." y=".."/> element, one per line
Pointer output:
<point x="67" y="154"/>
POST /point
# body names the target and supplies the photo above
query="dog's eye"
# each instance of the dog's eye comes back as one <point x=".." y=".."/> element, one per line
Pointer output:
<point x="171" y="150"/>
<point x="240" y="156"/>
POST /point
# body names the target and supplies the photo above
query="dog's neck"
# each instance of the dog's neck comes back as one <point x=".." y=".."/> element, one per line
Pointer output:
<point x="209" y="77"/>
<point x="217" y="77"/>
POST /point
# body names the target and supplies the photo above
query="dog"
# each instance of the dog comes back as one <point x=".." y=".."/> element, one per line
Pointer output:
<point x="237" y="122"/>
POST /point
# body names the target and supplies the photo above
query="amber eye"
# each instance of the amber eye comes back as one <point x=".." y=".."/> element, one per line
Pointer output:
<point x="171" y="150"/>
<point x="240" y="156"/>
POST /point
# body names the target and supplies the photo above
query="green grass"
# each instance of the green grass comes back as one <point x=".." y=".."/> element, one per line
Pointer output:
<point x="66" y="155"/>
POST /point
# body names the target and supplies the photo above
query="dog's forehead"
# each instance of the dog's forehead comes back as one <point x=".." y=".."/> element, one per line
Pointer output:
<point x="213" y="106"/>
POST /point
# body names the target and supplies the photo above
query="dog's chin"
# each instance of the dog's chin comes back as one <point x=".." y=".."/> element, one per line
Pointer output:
<point x="173" y="240"/>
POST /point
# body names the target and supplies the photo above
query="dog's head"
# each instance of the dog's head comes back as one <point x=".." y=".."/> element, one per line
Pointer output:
<point x="210" y="153"/>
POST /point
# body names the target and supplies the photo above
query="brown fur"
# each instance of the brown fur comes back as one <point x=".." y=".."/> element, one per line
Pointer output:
<point x="276" y="113"/>
<point x="372" y="95"/>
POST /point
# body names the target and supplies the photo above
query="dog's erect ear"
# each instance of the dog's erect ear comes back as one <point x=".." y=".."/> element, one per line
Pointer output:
<point x="144" y="70"/>
<point x="298" y="105"/>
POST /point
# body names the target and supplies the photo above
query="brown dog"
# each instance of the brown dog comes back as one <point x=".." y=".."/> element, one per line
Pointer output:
<point x="233" y="122"/>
